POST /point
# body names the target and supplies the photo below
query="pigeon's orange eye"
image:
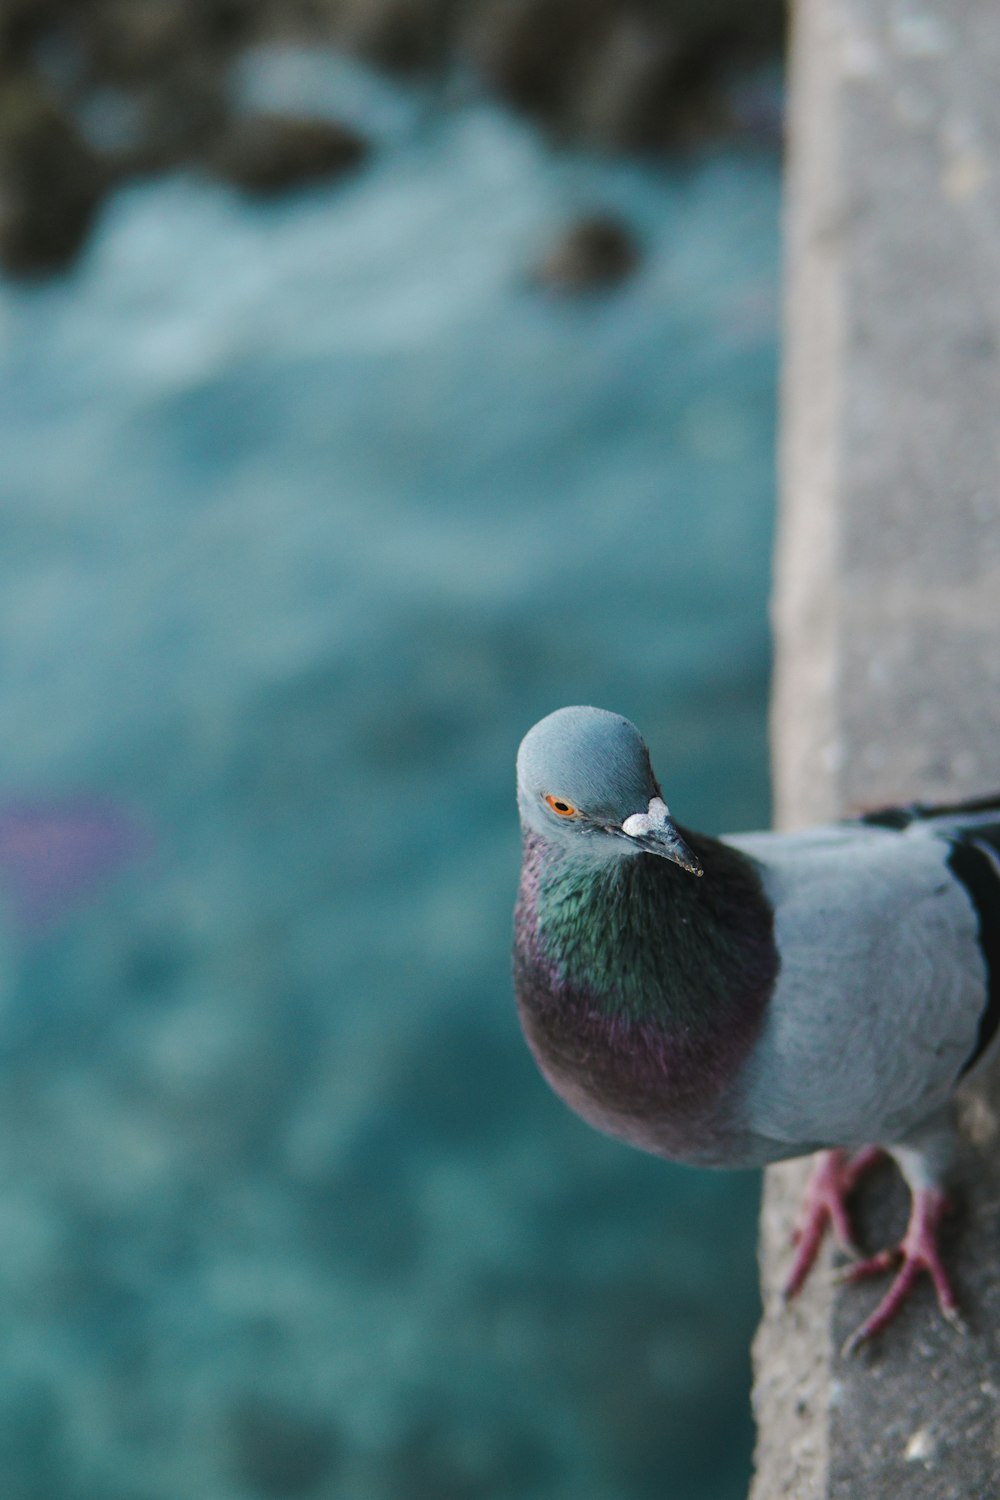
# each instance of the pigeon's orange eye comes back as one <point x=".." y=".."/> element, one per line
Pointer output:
<point x="564" y="809"/>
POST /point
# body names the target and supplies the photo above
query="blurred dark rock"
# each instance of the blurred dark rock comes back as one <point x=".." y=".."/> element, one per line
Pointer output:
<point x="269" y="153"/>
<point x="165" y="62"/>
<point x="596" y="252"/>
<point x="653" y="87"/>
<point x="129" y="42"/>
<point x="143" y="85"/>
<point x="625" y="76"/>
<point x="51" y="183"/>
<point x="533" y="52"/>
<point x="172" y="120"/>
<point x="403" y="36"/>
<point x="21" y="21"/>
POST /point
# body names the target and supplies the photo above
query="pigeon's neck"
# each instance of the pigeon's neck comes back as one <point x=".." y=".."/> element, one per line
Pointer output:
<point x="642" y="988"/>
<point x="642" y="939"/>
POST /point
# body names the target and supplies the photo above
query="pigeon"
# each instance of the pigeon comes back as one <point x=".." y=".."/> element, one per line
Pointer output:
<point x="735" y="1001"/>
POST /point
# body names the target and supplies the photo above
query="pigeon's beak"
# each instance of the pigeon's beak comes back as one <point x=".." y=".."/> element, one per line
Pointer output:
<point x="653" y="832"/>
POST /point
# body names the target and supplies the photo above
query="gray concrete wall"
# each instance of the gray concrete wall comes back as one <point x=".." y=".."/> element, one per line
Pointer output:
<point x="887" y="620"/>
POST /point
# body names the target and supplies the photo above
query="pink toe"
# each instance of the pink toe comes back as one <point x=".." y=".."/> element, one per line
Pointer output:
<point x="825" y="1207"/>
<point x="920" y="1253"/>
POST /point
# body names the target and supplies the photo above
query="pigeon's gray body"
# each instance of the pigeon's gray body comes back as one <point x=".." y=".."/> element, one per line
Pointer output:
<point x="882" y="990"/>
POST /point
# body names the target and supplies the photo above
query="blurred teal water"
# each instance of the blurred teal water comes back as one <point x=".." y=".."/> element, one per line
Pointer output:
<point x="308" y="512"/>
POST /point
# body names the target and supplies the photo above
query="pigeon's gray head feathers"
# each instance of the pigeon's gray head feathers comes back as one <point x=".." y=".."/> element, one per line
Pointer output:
<point x="585" y="782"/>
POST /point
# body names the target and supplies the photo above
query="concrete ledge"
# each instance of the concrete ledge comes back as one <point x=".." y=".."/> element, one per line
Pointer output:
<point x="887" y="621"/>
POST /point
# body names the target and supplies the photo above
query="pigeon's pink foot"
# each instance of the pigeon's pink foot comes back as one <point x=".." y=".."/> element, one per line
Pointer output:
<point x="919" y="1253"/>
<point x="834" y="1178"/>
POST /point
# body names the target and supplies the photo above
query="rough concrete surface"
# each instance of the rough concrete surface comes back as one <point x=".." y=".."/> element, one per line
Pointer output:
<point x="887" y="617"/>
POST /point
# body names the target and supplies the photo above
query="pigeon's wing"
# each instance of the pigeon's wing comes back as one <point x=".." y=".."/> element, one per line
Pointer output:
<point x="971" y="830"/>
<point x="945" y="816"/>
<point x="883" y="996"/>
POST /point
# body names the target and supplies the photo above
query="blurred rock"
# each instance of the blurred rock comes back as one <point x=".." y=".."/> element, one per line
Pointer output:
<point x="140" y="85"/>
<point x="20" y="24"/>
<point x="626" y="76"/>
<point x="269" y="153"/>
<point x="51" y="183"/>
<point x="136" y="41"/>
<point x="628" y="91"/>
<point x="533" y="52"/>
<point x="653" y="87"/>
<point x="160" y="65"/>
<point x="404" y="36"/>
<point x="597" y="251"/>
<point x="158" y="124"/>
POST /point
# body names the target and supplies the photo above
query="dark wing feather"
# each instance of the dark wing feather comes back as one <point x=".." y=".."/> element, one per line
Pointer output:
<point x="974" y="839"/>
<point x="923" y="812"/>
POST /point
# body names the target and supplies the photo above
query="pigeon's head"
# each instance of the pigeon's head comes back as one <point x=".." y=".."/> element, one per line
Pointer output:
<point x="585" y="782"/>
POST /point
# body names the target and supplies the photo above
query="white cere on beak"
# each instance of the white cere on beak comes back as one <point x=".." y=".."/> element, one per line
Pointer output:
<point x="648" y="822"/>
